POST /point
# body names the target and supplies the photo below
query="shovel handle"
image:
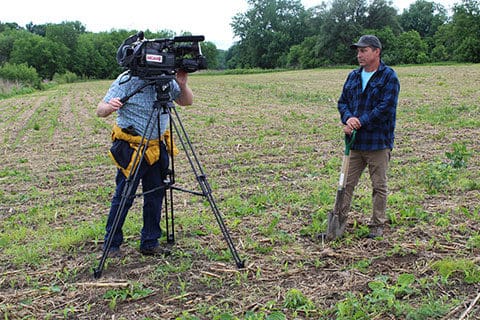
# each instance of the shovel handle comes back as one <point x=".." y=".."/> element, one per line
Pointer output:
<point x="349" y="141"/>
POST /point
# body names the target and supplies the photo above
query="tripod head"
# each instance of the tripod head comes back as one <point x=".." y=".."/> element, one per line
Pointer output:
<point x="162" y="87"/>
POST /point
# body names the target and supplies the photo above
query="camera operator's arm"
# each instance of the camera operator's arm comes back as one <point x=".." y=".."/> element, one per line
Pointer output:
<point x="186" y="95"/>
<point x="104" y="109"/>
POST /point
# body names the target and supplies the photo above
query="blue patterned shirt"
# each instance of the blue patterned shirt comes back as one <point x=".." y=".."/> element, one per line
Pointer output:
<point x="375" y="107"/>
<point x="137" y="110"/>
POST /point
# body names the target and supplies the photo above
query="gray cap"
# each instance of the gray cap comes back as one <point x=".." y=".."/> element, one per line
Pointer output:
<point x="367" y="41"/>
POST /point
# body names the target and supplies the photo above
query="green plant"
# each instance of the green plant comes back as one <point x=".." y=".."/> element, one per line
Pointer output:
<point x="133" y="291"/>
<point x="459" y="156"/>
<point x="296" y="300"/>
<point x="67" y="77"/>
<point x="352" y="307"/>
<point x="362" y="265"/>
<point x="450" y="266"/>
<point x="436" y="176"/>
<point x="474" y="242"/>
<point x="384" y="298"/>
<point x="22" y="73"/>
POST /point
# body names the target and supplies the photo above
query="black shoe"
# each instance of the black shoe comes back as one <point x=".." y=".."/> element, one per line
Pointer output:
<point x="155" y="251"/>
<point x="375" y="232"/>
<point x="114" y="252"/>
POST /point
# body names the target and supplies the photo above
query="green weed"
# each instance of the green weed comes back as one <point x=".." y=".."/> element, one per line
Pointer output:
<point x="449" y="267"/>
<point x="296" y="300"/>
<point x="459" y="156"/>
<point x="133" y="291"/>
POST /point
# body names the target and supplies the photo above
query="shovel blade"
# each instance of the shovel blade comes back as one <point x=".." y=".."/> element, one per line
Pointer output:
<point x="335" y="227"/>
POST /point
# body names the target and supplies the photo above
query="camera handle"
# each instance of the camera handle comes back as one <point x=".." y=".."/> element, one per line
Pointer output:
<point x="161" y="87"/>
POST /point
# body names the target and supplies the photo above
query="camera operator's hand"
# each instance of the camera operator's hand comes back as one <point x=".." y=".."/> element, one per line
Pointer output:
<point x="186" y="94"/>
<point x="104" y="109"/>
<point x="115" y="103"/>
<point x="182" y="78"/>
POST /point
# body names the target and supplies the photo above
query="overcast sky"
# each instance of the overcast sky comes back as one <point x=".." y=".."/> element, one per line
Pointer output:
<point x="210" y="18"/>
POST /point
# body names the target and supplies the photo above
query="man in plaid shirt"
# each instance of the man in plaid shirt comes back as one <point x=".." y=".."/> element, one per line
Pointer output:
<point x="368" y="105"/>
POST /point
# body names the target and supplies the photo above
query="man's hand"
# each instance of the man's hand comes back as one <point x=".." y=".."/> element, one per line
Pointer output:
<point x="115" y="104"/>
<point x="182" y="78"/>
<point x="354" y="123"/>
<point x="104" y="109"/>
<point x="186" y="94"/>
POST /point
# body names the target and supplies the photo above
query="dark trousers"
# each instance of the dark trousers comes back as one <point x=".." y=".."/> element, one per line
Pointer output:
<point x="151" y="176"/>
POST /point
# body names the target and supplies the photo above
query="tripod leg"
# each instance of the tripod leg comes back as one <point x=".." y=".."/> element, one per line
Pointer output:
<point x="127" y="192"/>
<point x="221" y="223"/>
<point x="169" y="220"/>
<point x="202" y="180"/>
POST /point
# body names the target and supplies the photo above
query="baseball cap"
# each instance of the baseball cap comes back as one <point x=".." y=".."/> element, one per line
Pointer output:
<point x="367" y="41"/>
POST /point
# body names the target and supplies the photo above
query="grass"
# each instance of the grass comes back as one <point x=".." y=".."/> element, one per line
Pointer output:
<point x="271" y="146"/>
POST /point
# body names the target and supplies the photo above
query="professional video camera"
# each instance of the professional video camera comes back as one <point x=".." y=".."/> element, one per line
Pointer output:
<point x="150" y="59"/>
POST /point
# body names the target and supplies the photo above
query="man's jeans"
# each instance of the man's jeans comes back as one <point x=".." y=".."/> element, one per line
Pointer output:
<point x="377" y="162"/>
<point x="151" y="177"/>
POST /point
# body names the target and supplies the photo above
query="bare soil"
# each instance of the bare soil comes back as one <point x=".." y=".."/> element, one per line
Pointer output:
<point x="54" y="165"/>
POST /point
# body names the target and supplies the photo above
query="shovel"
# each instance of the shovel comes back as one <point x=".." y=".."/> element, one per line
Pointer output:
<point x="335" y="219"/>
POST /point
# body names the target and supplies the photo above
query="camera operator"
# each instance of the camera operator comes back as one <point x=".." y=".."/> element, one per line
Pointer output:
<point x="131" y="125"/>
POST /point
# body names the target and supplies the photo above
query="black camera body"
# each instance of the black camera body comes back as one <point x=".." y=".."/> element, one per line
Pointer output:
<point x="149" y="59"/>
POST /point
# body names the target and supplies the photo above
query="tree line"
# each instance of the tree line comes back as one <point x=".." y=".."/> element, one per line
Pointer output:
<point x="272" y="34"/>
<point x="282" y="33"/>
<point x="57" y="49"/>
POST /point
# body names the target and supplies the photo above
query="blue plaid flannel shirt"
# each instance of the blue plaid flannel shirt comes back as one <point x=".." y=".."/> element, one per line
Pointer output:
<point x="137" y="110"/>
<point x="375" y="107"/>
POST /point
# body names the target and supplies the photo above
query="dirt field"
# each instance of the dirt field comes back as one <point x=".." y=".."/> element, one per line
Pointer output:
<point x="271" y="146"/>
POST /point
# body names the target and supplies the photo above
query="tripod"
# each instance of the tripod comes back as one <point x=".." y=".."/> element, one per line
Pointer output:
<point x="161" y="105"/>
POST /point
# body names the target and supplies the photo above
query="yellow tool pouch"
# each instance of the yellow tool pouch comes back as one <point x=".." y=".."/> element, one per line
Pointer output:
<point x="125" y="148"/>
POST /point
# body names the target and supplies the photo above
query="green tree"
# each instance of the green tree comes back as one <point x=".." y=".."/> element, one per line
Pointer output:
<point x="9" y="26"/>
<point x="65" y="32"/>
<point x="7" y="39"/>
<point x="209" y="50"/>
<point x="389" y="44"/>
<point x="39" y="29"/>
<point x="458" y="40"/>
<point x="410" y="49"/>
<point x="315" y="18"/>
<point x="46" y="56"/>
<point x="340" y="25"/>
<point x="381" y="14"/>
<point x="304" y="55"/>
<point x="267" y="31"/>
<point x="22" y="73"/>
<point x="307" y="53"/>
<point x="343" y="25"/>
<point x="88" y="60"/>
<point x="95" y="56"/>
<point x="425" y="17"/>
<point x="466" y="29"/>
<point x="233" y="58"/>
<point x="221" y="59"/>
